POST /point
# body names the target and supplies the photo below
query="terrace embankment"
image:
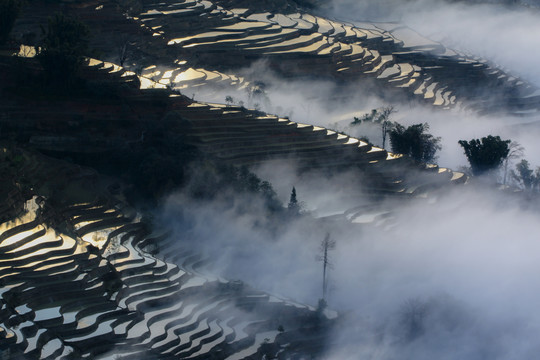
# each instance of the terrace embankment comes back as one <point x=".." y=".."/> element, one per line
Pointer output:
<point x="151" y="118"/>
<point x="77" y="282"/>
<point x="192" y="45"/>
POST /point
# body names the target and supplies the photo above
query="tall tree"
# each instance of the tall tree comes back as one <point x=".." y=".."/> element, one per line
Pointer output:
<point x="386" y="124"/>
<point x="378" y="116"/>
<point x="293" y="206"/>
<point x="515" y="150"/>
<point x="486" y="154"/>
<point x="326" y="246"/>
<point x="414" y="141"/>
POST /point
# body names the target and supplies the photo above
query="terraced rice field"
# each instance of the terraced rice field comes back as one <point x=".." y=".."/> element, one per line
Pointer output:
<point x="64" y="296"/>
<point x="220" y="36"/>
<point x="85" y="280"/>
<point x="239" y="136"/>
<point x="200" y="44"/>
<point x="79" y="280"/>
<point x="246" y="137"/>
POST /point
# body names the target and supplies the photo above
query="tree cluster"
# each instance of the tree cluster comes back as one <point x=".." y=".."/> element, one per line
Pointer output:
<point x="414" y="141"/>
<point x="154" y="164"/>
<point x="486" y="154"/>
<point x="489" y="153"/>
<point x="210" y="179"/>
<point x="527" y="178"/>
<point x="257" y="95"/>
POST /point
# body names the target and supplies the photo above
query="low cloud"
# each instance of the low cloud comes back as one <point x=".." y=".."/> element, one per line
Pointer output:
<point x="448" y="277"/>
<point x="501" y="34"/>
<point x="463" y="262"/>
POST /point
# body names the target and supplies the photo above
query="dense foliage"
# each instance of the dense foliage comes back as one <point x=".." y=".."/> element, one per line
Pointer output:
<point x="486" y="154"/>
<point x="415" y="142"/>
<point x="210" y="179"/>
<point x="526" y="177"/>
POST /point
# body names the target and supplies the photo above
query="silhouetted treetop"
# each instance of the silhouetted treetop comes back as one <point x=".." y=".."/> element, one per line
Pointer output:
<point x="414" y="141"/>
<point x="527" y="178"/>
<point x="293" y="206"/>
<point x="485" y="154"/>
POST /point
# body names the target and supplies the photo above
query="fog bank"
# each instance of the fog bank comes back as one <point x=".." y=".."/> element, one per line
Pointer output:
<point x="462" y="265"/>
<point x="504" y="35"/>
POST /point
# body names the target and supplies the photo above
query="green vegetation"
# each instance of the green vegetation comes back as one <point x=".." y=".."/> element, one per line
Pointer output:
<point x="486" y="154"/>
<point x="64" y="44"/>
<point x="9" y="10"/>
<point x="415" y="142"/>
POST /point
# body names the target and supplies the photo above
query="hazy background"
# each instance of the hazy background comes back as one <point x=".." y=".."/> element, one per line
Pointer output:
<point x="505" y="35"/>
<point x="449" y="277"/>
<point x="452" y="277"/>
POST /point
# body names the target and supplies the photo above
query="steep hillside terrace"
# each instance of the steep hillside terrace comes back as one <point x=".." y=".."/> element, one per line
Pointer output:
<point x="111" y="113"/>
<point x="247" y="137"/>
<point x="76" y="282"/>
<point x="195" y="44"/>
<point x="299" y="44"/>
<point x="232" y="134"/>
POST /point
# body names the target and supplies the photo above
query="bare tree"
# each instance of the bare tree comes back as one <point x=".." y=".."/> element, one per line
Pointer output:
<point x="326" y="246"/>
<point x="378" y="116"/>
<point x="515" y="152"/>
<point x="386" y="124"/>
